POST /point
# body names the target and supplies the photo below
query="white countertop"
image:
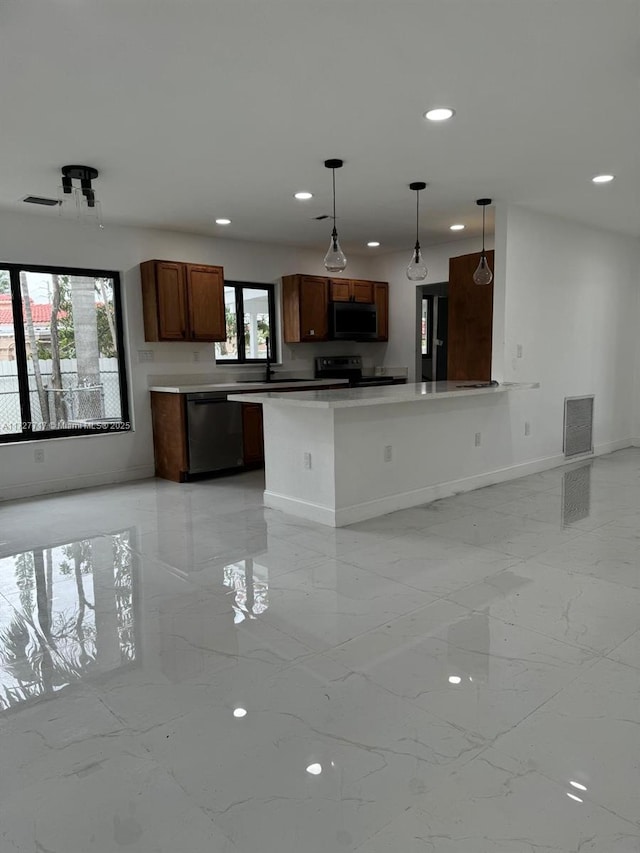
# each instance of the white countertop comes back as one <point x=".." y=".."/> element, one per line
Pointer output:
<point x="241" y="387"/>
<point x="420" y="392"/>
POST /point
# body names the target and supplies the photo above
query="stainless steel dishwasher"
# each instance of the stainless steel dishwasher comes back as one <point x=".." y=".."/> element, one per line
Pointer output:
<point x="214" y="430"/>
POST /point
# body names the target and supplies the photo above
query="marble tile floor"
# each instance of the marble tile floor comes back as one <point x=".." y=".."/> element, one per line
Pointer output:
<point x="185" y="671"/>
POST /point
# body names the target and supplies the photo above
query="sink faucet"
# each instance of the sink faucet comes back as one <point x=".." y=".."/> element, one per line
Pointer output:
<point x="268" y="372"/>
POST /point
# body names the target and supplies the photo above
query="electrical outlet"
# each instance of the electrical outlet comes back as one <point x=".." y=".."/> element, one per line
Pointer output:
<point x="527" y="428"/>
<point x="307" y="461"/>
<point x="387" y="453"/>
<point x="145" y="355"/>
<point x="38" y="455"/>
<point x="196" y="355"/>
<point x="519" y="351"/>
<point x="478" y="438"/>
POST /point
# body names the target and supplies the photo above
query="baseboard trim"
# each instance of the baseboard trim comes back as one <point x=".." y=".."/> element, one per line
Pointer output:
<point x="301" y="509"/>
<point x="79" y="481"/>
<point x="612" y="446"/>
<point x="392" y="503"/>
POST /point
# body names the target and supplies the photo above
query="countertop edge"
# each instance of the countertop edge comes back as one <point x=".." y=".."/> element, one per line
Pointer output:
<point x="246" y="386"/>
<point x="294" y="401"/>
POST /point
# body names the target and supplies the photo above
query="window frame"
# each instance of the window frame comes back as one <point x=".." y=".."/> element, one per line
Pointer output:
<point x="239" y="286"/>
<point x="28" y="433"/>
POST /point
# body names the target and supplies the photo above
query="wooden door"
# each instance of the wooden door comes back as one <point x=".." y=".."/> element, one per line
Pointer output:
<point x="314" y="308"/>
<point x="362" y="291"/>
<point x="339" y="290"/>
<point x="252" y="436"/>
<point x="205" y="290"/>
<point x="381" y="299"/>
<point x="171" y="301"/>
<point x="470" y="322"/>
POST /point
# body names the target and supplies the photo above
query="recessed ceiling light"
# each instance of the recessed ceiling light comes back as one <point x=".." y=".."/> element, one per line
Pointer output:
<point x="440" y="114"/>
<point x="373" y="244"/>
<point x="573" y="797"/>
<point x="303" y="196"/>
<point x="239" y="713"/>
<point x="314" y="769"/>
<point x="578" y="785"/>
<point x="457" y="227"/>
<point x="454" y="679"/>
<point x="603" y="179"/>
<point x="223" y="222"/>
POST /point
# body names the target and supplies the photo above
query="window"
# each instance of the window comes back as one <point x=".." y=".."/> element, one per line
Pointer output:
<point x="247" y="343"/>
<point x="61" y="353"/>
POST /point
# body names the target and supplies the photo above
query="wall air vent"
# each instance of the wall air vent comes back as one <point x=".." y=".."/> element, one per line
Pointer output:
<point x="37" y="199"/>
<point x="578" y="425"/>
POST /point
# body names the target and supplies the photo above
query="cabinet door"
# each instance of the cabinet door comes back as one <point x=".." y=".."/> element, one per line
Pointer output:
<point x="381" y="299"/>
<point x="170" y="292"/>
<point x="205" y="293"/>
<point x="314" y="308"/>
<point x="339" y="290"/>
<point x="252" y="437"/>
<point x="362" y="291"/>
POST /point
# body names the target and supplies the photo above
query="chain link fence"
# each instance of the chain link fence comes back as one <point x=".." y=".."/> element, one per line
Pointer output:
<point x="73" y="402"/>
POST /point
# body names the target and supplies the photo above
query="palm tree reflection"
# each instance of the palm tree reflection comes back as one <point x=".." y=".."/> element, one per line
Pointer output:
<point x="67" y="612"/>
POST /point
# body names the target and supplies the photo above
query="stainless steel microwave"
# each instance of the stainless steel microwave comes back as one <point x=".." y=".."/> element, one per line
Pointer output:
<point x="353" y="321"/>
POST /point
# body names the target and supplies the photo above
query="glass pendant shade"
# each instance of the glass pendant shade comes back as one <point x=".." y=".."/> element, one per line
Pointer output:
<point x="417" y="269"/>
<point x="483" y="274"/>
<point x="335" y="260"/>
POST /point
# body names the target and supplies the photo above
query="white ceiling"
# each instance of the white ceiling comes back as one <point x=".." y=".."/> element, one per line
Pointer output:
<point x="193" y="109"/>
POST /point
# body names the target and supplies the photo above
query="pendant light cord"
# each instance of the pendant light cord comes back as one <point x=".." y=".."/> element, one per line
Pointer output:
<point x="483" y="212"/>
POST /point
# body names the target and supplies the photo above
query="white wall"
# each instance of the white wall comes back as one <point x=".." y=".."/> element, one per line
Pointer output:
<point x="39" y="239"/>
<point x="571" y="301"/>
<point x="401" y="349"/>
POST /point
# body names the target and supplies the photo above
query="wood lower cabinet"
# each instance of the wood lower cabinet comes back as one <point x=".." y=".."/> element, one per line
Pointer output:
<point x="381" y="299"/>
<point x="182" y="302"/>
<point x="305" y="308"/>
<point x="169" y="420"/>
<point x="470" y="322"/>
<point x="252" y="435"/>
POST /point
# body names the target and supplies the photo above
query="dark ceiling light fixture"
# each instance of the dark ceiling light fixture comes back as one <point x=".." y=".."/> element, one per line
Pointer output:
<point x="334" y="260"/>
<point x="87" y="206"/>
<point x="417" y="269"/>
<point x="483" y="274"/>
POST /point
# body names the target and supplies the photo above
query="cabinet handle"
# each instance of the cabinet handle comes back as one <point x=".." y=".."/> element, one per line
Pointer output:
<point x="312" y="331"/>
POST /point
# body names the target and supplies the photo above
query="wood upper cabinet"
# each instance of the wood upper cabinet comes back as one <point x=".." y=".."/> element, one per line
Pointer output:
<point x="470" y="322"/>
<point x="182" y="302"/>
<point x="305" y="308"/>
<point x="350" y="290"/>
<point x="381" y="300"/>
<point x="205" y="289"/>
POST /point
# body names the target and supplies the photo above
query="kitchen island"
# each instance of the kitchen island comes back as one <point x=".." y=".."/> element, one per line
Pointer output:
<point x="337" y="457"/>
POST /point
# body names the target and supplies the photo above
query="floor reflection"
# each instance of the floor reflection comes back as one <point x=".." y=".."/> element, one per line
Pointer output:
<point x="66" y="612"/>
<point x="248" y="583"/>
<point x="576" y="494"/>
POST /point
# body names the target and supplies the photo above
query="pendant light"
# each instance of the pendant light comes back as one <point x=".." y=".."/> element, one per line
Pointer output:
<point x="334" y="260"/>
<point x="417" y="269"/>
<point x="483" y="274"/>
